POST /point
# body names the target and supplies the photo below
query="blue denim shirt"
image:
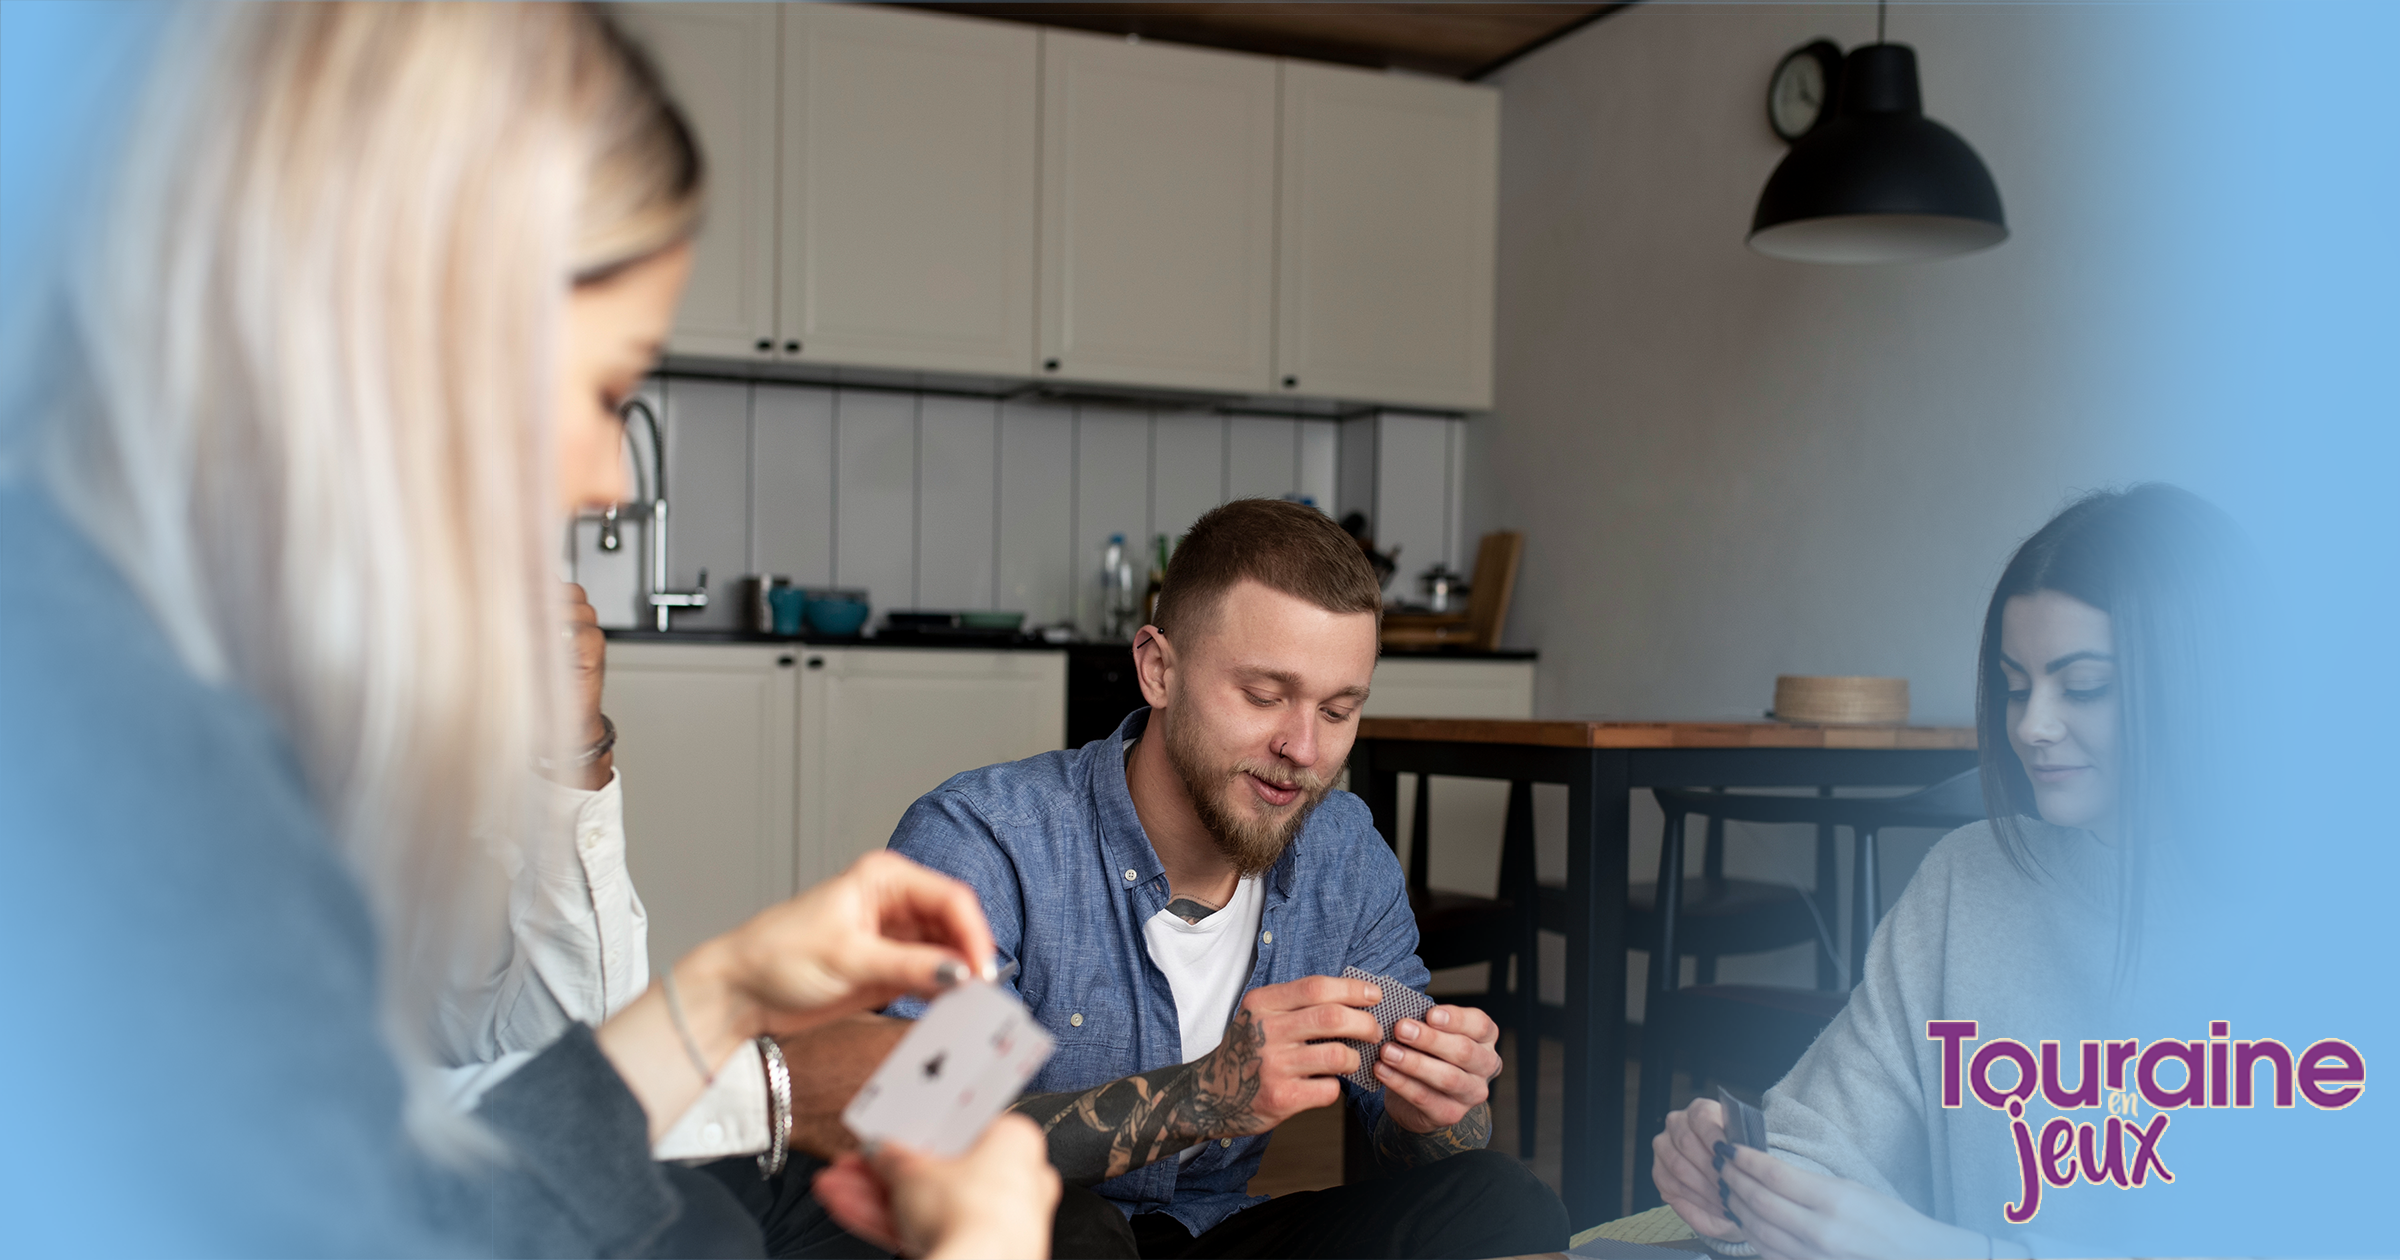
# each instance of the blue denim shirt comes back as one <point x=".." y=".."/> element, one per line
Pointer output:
<point x="1067" y="877"/>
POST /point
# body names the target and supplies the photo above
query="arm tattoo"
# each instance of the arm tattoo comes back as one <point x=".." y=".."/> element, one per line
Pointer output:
<point x="1397" y="1148"/>
<point x="1112" y="1129"/>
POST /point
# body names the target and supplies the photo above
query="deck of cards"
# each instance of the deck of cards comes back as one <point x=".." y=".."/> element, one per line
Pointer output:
<point x="1399" y="1002"/>
<point x="966" y="1059"/>
<point x="1745" y="1125"/>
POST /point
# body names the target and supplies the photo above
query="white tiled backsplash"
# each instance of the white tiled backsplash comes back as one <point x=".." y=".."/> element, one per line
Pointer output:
<point x="938" y="501"/>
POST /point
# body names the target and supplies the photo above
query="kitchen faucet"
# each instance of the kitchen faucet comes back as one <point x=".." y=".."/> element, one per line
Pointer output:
<point x="650" y="492"/>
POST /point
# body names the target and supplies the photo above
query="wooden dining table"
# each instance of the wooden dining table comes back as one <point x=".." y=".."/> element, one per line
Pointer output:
<point x="1602" y="762"/>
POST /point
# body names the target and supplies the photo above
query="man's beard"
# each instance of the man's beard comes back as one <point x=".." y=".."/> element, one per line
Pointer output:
<point x="1253" y="845"/>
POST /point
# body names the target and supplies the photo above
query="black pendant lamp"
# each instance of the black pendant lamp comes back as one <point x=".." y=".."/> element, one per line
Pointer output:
<point x="1878" y="181"/>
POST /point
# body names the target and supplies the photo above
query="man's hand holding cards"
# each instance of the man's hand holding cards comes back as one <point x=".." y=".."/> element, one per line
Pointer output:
<point x="1435" y="1064"/>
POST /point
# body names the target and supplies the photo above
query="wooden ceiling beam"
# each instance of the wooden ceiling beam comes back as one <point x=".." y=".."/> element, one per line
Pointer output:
<point x="1451" y="38"/>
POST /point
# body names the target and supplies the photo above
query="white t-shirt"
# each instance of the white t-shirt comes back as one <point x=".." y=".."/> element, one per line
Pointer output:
<point x="1206" y="965"/>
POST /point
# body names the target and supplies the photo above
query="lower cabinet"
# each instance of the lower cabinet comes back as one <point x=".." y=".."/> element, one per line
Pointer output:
<point x="753" y="771"/>
<point x="880" y="727"/>
<point x="706" y="759"/>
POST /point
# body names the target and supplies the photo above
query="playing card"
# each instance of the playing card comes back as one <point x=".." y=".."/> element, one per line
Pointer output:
<point x="1399" y="1002"/>
<point x="964" y="1061"/>
<point x="1745" y="1125"/>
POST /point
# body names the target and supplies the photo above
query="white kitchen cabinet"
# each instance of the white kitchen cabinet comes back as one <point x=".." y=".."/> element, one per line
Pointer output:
<point x="1157" y="215"/>
<point x="1468" y="814"/>
<point x="720" y="63"/>
<point x="752" y="772"/>
<point x="903" y="190"/>
<point x="880" y="727"/>
<point x="908" y="169"/>
<point x="1389" y="198"/>
<point x="705" y="754"/>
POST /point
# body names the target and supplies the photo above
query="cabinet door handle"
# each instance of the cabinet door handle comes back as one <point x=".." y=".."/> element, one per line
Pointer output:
<point x="816" y="662"/>
<point x="1291" y="382"/>
<point x="791" y="347"/>
<point x="766" y="345"/>
<point x="1049" y="365"/>
<point x="784" y="661"/>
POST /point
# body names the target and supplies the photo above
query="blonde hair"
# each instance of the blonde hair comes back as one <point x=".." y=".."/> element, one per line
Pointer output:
<point x="308" y="396"/>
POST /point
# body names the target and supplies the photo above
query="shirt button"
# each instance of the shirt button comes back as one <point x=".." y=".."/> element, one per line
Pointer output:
<point x="1267" y="937"/>
<point x="1076" y="1019"/>
<point x="1225" y="1142"/>
<point x="1129" y="875"/>
<point x="713" y="1133"/>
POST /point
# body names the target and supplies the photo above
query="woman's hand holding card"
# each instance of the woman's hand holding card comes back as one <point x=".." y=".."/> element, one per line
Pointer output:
<point x="1684" y="1168"/>
<point x="996" y="1200"/>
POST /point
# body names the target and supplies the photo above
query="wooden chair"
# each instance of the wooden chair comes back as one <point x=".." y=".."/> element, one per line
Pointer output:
<point x="1492" y="586"/>
<point x="1752" y="1034"/>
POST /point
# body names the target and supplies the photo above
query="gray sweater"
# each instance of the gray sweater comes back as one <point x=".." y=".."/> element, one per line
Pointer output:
<point x="1972" y="937"/>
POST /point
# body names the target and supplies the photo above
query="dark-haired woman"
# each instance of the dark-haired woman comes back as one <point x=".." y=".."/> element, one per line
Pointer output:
<point x="2089" y="711"/>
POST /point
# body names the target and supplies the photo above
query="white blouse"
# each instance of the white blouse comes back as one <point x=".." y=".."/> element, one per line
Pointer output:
<point x="578" y="951"/>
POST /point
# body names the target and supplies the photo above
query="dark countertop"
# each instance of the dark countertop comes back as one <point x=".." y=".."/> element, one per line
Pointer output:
<point x="1021" y="644"/>
<point x="756" y="639"/>
<point x="1459" y="654"/>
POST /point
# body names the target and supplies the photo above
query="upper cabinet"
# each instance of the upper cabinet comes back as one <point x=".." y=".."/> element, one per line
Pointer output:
<point x="908" y="171"/>
<point x="1157" y="214"/>
<point x="1389" y="203"/>
<point x="903" y="190"/>
<point x="721" y="63"/>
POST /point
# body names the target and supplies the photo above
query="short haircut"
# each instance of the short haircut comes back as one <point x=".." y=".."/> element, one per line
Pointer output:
<point x="1289" y="547"/>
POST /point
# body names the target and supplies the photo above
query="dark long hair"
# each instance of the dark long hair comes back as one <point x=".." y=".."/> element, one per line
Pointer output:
<point x="2163" y="564"/>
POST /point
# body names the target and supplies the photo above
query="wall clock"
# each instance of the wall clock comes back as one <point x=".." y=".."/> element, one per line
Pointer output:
<point x="1801" y="93"/>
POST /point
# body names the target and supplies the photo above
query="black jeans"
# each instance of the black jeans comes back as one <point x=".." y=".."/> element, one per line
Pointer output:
<point x="794" y="1223"/>
<point x="1481" y="1203"/>
<point x="797" y="1227"/>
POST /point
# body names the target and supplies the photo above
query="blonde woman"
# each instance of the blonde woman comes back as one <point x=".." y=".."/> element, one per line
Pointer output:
<point x="336" y="352"/>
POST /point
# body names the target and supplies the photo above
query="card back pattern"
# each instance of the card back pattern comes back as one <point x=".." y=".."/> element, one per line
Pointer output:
<point x="1399" y="1002"/>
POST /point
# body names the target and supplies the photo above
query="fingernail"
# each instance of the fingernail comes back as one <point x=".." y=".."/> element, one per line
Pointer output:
<point x="1724" y="1150"/>
<point x="950" y="972"/>
<point x="1393" y="1054"/>
<point x="991" y="970"/>
<point x="1719" y="1160"/>
<point x="1735" y="1217"/>
<point x="1405" y="1028"/>
<point x="1374" y="994"/>
<point x="1438" y="1017"/>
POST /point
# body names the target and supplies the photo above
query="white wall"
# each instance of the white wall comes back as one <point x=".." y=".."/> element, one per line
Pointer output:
<point x="1730" y="467"/>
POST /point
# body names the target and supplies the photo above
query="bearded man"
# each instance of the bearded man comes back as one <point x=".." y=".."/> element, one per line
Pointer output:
<point x="1182" y="898"/>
